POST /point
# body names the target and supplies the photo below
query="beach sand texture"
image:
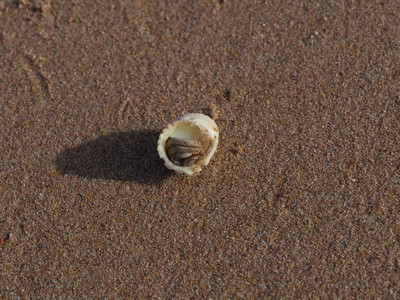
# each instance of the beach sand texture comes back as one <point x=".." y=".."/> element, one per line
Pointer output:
<point x="301" y="199"/>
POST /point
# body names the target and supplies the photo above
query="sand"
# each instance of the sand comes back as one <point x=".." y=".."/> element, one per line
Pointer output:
<point x="301" y="200"/>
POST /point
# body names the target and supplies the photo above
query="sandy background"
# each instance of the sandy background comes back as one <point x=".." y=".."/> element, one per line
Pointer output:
<point x="302" y="199"/>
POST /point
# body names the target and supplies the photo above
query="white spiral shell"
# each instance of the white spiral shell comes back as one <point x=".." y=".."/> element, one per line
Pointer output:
<point x="195" y="129"/>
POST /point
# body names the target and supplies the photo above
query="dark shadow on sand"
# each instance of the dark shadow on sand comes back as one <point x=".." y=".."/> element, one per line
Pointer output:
<point x="126" y="156"/>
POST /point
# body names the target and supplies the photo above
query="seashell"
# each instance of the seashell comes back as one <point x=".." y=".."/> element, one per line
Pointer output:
<point x="187" y="144"/>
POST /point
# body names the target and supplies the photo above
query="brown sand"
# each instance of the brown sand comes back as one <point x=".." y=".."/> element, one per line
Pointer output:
<point x="301" y="200"/>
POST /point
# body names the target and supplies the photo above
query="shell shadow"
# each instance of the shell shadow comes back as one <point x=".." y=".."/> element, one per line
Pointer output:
<point x="125" y="156"/>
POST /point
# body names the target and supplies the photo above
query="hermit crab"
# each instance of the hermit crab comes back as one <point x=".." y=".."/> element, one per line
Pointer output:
<point x="187" y="144"/>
